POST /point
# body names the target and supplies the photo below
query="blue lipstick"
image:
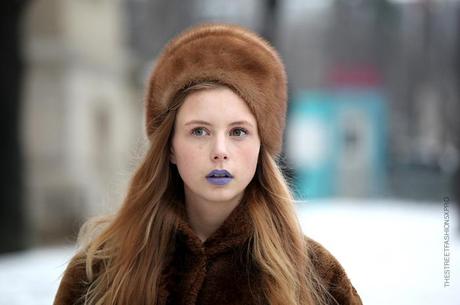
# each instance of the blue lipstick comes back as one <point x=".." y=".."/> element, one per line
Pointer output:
<point x="219" y="177"/>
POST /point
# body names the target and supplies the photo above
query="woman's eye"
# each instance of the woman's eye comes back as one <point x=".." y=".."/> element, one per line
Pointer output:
<point x="239" y="132"/>
<point x="198" y="131"/>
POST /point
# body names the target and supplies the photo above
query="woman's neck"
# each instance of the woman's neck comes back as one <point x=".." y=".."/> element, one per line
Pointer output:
<point x="205" y="217"/>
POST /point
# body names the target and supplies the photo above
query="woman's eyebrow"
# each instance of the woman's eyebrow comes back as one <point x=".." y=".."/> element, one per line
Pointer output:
<point x="209" y="124"/>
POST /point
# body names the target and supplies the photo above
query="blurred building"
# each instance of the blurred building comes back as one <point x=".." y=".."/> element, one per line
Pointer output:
<point x="413" y="48"/>
<point x="81" y="117"/>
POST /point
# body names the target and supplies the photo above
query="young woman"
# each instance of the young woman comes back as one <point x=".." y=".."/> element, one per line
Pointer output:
<point x="208" y="217"/>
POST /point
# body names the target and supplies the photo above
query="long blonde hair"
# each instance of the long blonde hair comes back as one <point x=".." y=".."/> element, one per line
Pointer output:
<point x="140" y="236"/>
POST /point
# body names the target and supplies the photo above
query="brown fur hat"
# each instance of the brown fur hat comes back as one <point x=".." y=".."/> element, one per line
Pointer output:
<point x="230" y="55"/>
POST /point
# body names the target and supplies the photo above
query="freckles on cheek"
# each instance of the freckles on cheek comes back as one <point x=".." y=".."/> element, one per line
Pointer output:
<point x="200" y="147"/>
<point x="194" y="151"/>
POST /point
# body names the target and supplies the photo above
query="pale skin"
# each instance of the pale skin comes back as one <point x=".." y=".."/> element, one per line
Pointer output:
<point x="214" y="129"/>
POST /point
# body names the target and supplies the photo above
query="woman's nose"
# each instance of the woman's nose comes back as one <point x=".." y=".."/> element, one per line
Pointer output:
<point x="219" y="151"/>
<point x="221" y="156"/>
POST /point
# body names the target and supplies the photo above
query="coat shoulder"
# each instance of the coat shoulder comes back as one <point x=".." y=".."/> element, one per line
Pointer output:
<point x="332" y="274"/>
<point x="74" y="283"/>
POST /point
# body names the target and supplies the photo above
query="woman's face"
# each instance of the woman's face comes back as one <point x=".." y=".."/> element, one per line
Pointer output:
<point x="214" y="130"/>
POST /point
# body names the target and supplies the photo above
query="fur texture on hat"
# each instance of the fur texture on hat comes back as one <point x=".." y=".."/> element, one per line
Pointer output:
<point x="230" y="55"/>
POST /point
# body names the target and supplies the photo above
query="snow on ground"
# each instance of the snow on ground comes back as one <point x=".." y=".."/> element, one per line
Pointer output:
<point x="32" y="277"/>
<point x="392" y="252"/>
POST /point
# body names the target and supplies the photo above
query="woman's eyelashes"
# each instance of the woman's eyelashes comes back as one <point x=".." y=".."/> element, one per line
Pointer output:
<point x="196" y="131"/>
<point x="241" y="130"/>
<point x="238" y="132"/>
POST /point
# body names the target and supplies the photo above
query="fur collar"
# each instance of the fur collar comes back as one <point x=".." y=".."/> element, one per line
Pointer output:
<point x="233" y="232"/>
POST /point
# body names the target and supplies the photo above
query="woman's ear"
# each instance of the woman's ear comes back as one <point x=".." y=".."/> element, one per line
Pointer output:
<point x="172" y="155"/>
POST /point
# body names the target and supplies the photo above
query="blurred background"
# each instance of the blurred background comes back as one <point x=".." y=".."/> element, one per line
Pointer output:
<point x="372" y="143"/>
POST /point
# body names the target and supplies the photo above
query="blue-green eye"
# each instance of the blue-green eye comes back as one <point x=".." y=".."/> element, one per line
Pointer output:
<point x="238" y="134"/>
<point x="196" y="131"/>
<point x="200" y="131"/>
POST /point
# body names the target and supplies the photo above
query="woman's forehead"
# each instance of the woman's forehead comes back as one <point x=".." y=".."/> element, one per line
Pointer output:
<point x="208" y="123"/>
<point x="215" y="106"/>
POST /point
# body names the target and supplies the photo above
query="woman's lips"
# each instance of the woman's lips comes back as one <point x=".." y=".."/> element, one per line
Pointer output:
<point x="219" y="181"/>
<point x="219" y="173"/>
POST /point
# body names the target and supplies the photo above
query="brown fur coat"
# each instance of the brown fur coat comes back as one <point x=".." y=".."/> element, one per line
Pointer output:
<point x="217" y="271"/>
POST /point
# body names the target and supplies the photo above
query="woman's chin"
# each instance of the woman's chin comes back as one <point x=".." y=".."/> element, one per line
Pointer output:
<point x="222" y="195"/>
